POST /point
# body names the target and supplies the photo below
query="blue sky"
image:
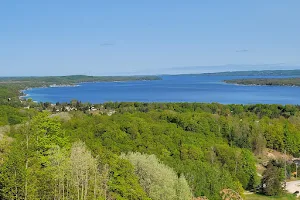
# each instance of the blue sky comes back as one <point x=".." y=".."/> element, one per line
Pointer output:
<point x="117" y="37"/>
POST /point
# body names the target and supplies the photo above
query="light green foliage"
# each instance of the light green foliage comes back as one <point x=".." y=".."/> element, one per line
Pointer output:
<point x="47" y="132"/>
<point x="30" y="158"/>
<point x="5" y="143"/>
<point x="13" y="175"/>
<point x="59" y="168"/>
<point x="183" y="190"/>
<point x="85" y="178"/>
<point x="158" y="180"/>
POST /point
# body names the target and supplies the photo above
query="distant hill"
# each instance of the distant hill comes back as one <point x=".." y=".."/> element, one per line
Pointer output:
<point x="74" y="79"/>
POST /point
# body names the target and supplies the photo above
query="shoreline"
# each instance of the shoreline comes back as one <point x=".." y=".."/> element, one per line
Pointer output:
<point x="253" y="84"/>
<point x="23" y="93"/>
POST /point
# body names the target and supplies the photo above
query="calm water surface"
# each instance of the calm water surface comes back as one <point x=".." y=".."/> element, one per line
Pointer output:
<point x="181" y="88"/>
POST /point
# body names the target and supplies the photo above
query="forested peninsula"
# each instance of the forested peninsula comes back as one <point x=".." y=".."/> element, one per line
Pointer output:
<point x="11" y="87"/>
<point x="266" y="81"/>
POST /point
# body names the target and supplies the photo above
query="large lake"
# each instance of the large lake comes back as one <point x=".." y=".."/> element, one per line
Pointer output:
<point x="181" y="88"/>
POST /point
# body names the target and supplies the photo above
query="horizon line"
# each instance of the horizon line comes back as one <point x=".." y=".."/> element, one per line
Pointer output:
<point x="161" y="74"/>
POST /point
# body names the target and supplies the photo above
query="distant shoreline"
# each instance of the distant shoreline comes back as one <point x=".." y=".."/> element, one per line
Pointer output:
<point x="28" y="83"/>
<point x="283" y="82"/>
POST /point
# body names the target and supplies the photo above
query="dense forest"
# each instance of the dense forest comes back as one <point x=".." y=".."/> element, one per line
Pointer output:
<point x="266" y="81"/>
<point x="145" y="151"/>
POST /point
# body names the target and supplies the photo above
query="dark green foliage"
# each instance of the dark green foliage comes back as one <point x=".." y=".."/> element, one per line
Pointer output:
<point x="11" y="116"/>
<point x="273" y="177"/>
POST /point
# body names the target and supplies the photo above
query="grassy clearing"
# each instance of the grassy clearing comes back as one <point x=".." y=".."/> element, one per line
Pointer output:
<point x="262" y="197"/>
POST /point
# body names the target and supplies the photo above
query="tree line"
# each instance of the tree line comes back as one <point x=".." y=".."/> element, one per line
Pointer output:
<point x="267" y="81"/>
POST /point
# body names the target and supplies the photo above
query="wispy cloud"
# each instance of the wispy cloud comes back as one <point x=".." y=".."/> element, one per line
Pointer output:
<point x="235" y="66"/>
<point x="242" y="50"/>
<point x="107" y="44"/>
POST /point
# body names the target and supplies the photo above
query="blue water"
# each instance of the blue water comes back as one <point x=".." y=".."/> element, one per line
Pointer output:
<point x="182" y="88"/>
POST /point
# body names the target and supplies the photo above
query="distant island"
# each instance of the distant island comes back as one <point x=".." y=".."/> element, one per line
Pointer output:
<point x="266" y="81"/>
<point x="295" y="72"/>
<point x="286" y="80"/>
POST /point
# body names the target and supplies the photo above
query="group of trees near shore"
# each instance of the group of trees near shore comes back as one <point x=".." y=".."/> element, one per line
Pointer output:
<point x="144" y="151"/>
